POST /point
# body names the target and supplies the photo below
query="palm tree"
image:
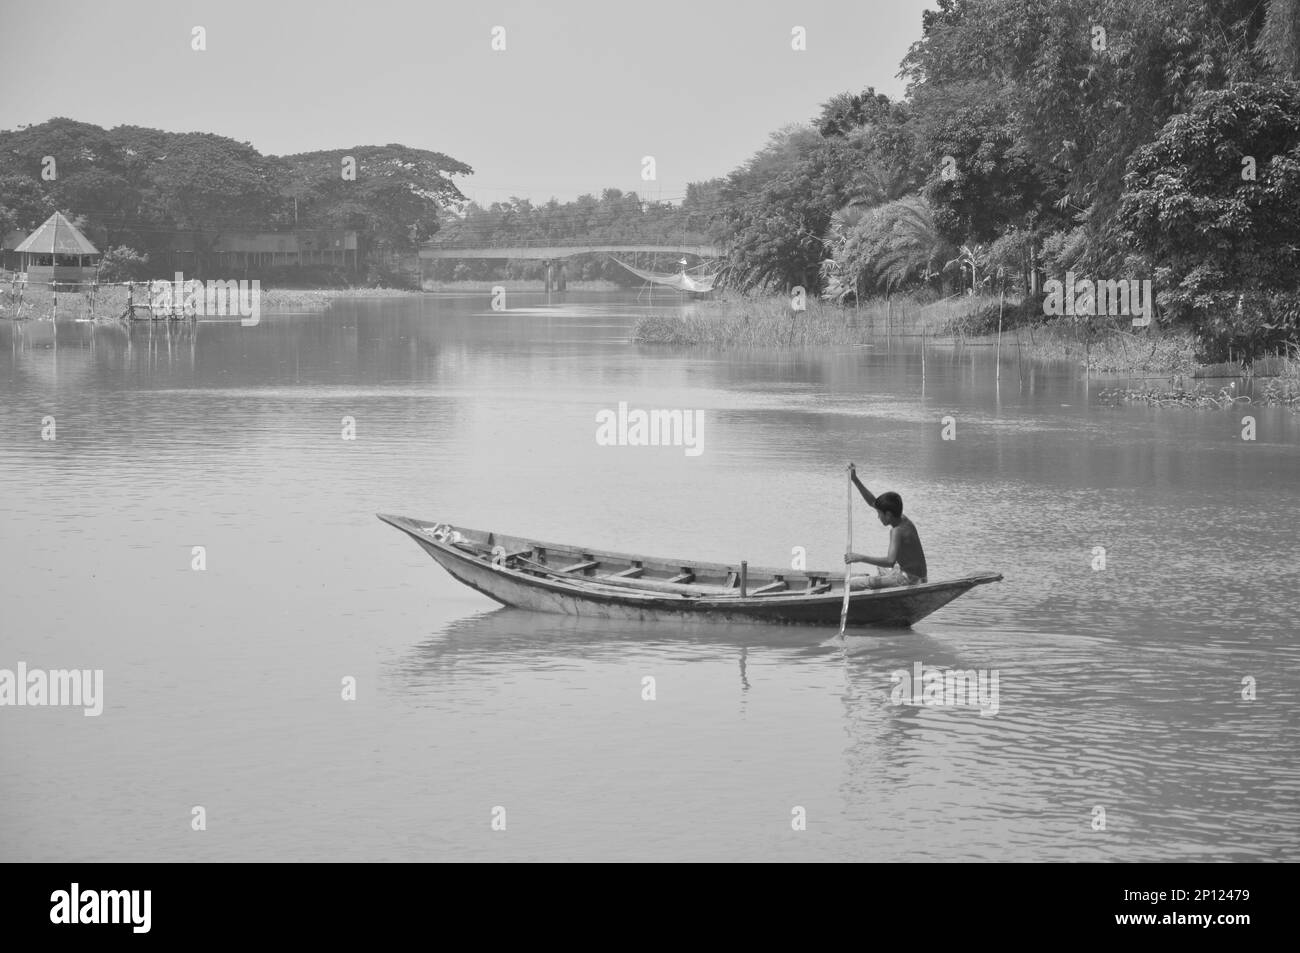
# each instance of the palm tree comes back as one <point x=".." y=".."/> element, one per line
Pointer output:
<point x="874" y="182"/>
<point x="911" y="242"/>
<point x="838" y="284"/>
<point x="882" y="246"/>
<point x="843" y="222"/>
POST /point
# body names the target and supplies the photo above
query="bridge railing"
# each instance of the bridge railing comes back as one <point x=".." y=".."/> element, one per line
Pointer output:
<point x="539" y="248"/>
<point x="561" y="243"/>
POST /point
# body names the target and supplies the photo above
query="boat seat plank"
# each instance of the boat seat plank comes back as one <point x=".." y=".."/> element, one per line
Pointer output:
<point x="631" y="573"/>
<point x="778" y="586"/>
<point x="660" y="585"/>
<point x="580" y="567"/>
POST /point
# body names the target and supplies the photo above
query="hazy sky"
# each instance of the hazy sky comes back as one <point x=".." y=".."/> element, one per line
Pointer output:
<point x="583" y="90"/>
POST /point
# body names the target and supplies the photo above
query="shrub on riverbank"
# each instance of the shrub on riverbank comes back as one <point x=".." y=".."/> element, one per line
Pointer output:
<point x="985" y="318"/>
<point x="1110" y="350"/>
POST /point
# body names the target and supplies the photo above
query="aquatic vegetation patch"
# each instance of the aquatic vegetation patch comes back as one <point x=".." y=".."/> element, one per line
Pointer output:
<point x="1271" y="392"/>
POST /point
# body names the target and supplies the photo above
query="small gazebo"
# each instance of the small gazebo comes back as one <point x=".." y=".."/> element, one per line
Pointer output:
<point x="57" y="251"/>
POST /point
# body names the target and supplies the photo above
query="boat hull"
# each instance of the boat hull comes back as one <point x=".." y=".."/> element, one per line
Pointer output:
<point x="596" y="597"/>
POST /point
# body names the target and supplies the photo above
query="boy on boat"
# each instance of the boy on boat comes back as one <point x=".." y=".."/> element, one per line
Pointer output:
<point x="904" y="565"/>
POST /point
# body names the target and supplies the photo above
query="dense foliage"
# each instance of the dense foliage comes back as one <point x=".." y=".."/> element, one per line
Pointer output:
<point x="1215" y="200"/>
<point x="1044" y="136"/>
<point x="136" y="187"/>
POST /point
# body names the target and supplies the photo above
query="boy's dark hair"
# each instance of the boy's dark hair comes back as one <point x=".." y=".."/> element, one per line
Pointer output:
<point x="890" y="503"/>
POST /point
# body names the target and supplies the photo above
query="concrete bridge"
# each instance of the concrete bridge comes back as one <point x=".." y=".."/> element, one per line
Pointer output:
<point x="555" y="252"/>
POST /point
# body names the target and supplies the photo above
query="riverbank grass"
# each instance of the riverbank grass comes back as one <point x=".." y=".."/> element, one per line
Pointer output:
<point x="108" y="303"/>
<point x="772" y="322"/>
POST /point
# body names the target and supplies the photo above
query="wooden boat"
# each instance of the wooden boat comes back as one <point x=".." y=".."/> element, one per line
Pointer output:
<point x="573" y="580"/>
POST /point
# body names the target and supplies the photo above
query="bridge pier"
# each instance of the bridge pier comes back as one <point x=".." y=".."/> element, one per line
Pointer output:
<point x="555" y="276"/>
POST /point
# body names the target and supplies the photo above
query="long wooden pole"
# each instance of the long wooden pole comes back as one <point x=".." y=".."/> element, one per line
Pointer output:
<point x="1002" y="295"/>
<point x="848" y="567"/>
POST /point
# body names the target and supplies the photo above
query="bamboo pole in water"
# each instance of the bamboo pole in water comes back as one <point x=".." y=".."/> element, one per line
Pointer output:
<point x="1002" y="294"/>
<point x="1020" y="373"/>
<point x="848" y="566"/>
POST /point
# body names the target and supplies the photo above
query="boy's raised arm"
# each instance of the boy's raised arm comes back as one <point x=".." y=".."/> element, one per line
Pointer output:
<point x="866" y="494"/>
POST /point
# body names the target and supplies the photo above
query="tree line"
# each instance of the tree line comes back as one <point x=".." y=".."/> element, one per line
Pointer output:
<point x="135" y="188"/>
<point x="1117" y="139"/>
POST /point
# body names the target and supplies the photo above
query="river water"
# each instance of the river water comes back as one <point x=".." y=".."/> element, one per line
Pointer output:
<point x="1121" y="730"/>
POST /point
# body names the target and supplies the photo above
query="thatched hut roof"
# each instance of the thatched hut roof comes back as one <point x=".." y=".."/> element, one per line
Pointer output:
<point x="57" y="236"/>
